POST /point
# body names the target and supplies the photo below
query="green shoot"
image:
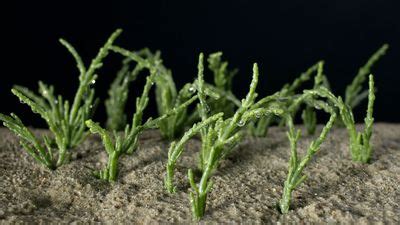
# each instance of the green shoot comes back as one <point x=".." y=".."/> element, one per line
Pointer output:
<point x="296" y="166"/>
<point x="219" y="137"/>
<point x="119" y="90"/>
<point x="360" y="147"/>
<point x="127" y="143"/>
<point x="353" y="95"/>
<point x="206" y="132"/>
<point x="177" y="148"/>
<point x="66" y="123"/>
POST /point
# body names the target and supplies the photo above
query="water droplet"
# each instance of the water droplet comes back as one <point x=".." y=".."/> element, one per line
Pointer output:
<point x="241" y="123"/>
<point x="56" y="102"/>
<point x="192" y="89"/>
<point x="92" y="83"/>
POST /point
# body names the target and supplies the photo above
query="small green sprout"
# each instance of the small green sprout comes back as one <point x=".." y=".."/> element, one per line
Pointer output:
<point x="219" y="137"/>
<point x="296" y="166"/>
<point x="67" y="123"/>
<point x="312" y="99"/>
<point x="119" y="90"/>
<point x="360" y="147"/>
<point x="353" y="95"/>
<point x="127" y="143"/>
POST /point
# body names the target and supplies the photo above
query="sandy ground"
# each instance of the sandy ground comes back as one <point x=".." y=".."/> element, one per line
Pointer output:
<point x="247" y="186"/>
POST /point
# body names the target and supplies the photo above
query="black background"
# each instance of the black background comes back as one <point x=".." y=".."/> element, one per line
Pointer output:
<point x="284" y="37"/>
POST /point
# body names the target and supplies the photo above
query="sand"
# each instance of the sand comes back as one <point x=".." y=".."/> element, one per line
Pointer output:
<point x="247" y="185"/>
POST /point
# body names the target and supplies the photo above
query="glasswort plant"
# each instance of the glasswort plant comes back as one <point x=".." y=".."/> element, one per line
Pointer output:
<point x="127" y="143"/>
<point x="312" y="99"/>
<point x="360" y="147"/>
<point x="296" y="166"/>
<point x="67" y="123"/>
<point x="219" y="137"/>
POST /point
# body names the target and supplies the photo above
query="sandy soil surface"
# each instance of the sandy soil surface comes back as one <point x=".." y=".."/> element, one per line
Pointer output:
<point x="247" y="185"/>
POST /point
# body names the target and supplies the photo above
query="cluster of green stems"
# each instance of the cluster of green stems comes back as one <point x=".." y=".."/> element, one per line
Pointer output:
<point x="217" y="116"/>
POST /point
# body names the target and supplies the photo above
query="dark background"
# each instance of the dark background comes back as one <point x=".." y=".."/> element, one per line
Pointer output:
<point x="284" y="37"/>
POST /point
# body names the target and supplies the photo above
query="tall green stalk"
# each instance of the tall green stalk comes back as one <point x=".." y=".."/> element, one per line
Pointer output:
<point x="296" y="166"/>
